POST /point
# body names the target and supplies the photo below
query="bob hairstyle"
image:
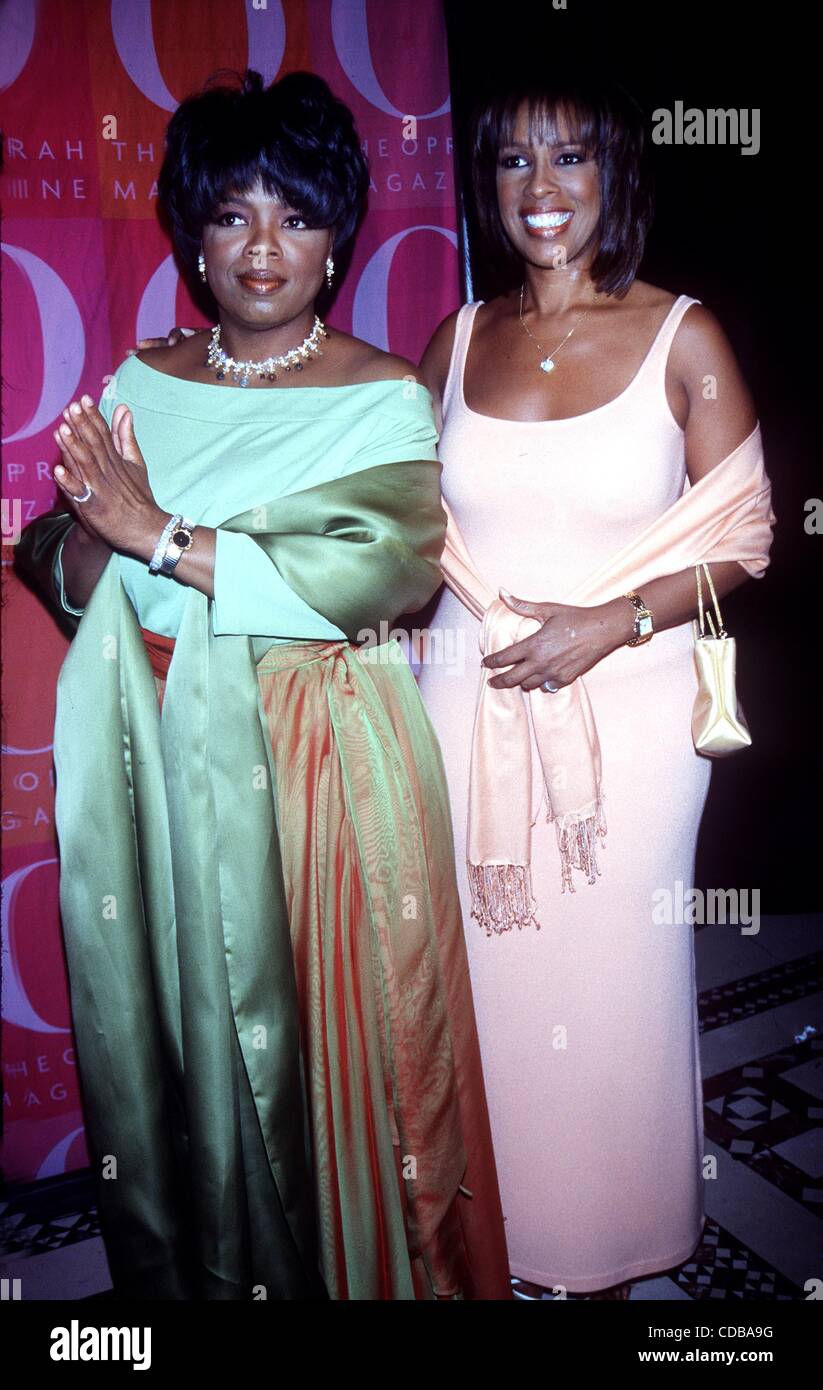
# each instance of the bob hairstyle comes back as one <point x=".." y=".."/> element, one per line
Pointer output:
<point x="295" y="137"/>
<point x="609" y="124"/>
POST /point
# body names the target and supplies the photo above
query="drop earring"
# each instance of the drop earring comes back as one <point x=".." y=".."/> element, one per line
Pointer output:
<point x="329" y="270"/>
<point x="201" y="265"/>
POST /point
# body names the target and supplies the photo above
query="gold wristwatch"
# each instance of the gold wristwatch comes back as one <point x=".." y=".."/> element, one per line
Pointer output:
<point x="180" y="540"/>
<point x="643" y="620"/>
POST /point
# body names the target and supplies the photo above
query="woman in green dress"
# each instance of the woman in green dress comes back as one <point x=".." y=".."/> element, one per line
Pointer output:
<point x="269" y="985"/>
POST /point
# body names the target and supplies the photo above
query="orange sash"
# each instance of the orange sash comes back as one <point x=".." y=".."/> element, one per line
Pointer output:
<point x="160" y="650"/>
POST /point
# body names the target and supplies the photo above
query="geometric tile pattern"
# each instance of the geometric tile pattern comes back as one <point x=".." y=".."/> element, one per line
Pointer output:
<point x="752" y="1109"/>
<point x="764" y="1112"/>
<point x="754" y="994"/>
<point x="724" y="1268"/>
<point x="47" y="1216"/>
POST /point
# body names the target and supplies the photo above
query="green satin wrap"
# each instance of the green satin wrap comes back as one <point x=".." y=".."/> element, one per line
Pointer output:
<point x="34" y="558"/>
<point x="172" y="896"/>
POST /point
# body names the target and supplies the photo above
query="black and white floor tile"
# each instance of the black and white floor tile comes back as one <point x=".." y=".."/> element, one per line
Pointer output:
<point x="760" y="1003"/>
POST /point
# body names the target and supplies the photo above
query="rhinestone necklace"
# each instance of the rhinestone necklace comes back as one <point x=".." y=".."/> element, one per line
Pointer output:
<point x="266" y="369"/>
<point x="547" y="365"/>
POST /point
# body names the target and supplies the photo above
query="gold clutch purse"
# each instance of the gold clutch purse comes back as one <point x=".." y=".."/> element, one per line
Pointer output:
<point x="718" y="723"/>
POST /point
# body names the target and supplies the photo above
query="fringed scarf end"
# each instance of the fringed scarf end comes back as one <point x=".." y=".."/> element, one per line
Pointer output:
<point x="502" y="897"/>
<point x="577" y="836"/>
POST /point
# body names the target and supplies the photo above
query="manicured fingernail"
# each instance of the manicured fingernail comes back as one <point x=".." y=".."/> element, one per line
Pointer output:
<point x="87" y="401"/>
<point x="65" y="431"/>
<point x="59" y="468"/>
<point x="74" y="408"/>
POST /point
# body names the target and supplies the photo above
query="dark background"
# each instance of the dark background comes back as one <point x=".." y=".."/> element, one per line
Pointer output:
<point x="740" y="233"/>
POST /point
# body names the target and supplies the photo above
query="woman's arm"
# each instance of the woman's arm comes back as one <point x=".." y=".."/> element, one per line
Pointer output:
<point x="721" y="414"/>
<point x="704" y="382"/>
<point x="37" y="557"/>
<point x="434" y="365"/>
<point x="81" y="558"/>
<point x="261" y="578"/>
<point x="173" y="337"/>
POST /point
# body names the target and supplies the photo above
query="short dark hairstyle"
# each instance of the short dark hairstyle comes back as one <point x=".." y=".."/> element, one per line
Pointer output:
<point x="294" y="136"/>
<point x="609" y="123"/>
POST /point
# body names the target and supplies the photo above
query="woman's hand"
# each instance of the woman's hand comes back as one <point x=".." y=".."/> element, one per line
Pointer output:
<point x="174" y="336"/>
<point x="570" y="641"/>
<point x="122" y="510"/>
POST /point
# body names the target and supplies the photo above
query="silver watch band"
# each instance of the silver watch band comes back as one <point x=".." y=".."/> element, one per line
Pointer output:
<point x="173" y="550"/>
<point x="160" y="548"/>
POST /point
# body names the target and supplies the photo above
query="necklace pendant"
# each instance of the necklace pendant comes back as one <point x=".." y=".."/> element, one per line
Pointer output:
<point x="547" y="365"/>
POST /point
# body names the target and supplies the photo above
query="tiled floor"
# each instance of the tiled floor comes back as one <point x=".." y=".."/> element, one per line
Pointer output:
<point x="761" y="1014"/>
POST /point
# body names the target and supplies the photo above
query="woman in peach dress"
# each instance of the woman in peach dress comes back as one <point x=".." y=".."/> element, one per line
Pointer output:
<point x="577" y="408"/>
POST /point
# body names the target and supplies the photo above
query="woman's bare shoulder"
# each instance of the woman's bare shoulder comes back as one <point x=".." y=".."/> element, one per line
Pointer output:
<point x="435" y="361"/>
<point x="156" y="357"/>
<point x="643" y="295"/>
<point x="365" y="362"/>
<point x="177" y="359"/>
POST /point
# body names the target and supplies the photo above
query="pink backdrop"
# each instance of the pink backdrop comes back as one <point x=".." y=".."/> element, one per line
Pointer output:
<point x="86" y="271"/>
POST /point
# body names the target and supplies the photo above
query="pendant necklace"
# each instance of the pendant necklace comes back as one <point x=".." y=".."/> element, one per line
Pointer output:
<point x="267" y="368"/>
<point x="547" y="364"/>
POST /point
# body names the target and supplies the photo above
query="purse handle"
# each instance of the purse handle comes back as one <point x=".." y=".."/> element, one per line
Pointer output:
<point x="721" y="629"/>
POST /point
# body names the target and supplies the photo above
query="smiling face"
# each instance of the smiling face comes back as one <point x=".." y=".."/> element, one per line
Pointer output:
<point x="264" y="264"/>
<point x="549" y="193"/>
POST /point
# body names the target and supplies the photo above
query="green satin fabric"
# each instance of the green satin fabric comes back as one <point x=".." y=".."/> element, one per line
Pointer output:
<point x="361" y="549"/>
<point x="34" y="558"/>
<point x="172" y="897"/>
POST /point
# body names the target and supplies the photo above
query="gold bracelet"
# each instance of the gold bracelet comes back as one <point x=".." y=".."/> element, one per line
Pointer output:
<point x="643" y="620"/>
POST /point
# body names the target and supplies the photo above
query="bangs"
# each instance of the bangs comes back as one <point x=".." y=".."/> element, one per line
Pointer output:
<point x="302" y="183"/>
<point x="547" y="116"/>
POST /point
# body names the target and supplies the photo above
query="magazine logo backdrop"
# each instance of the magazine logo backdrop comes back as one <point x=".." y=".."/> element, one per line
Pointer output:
<point x="87" y="89"/>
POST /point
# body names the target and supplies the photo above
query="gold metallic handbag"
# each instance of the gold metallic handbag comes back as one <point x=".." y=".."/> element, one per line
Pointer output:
<point x="718" y="723"/>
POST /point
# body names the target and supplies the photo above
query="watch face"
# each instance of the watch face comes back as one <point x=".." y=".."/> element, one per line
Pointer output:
<point x="181" y="539"/>
<point x="644" y="625"/>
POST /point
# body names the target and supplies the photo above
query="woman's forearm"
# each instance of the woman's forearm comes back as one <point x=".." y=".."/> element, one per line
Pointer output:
<point x="672" y="599"/>
<point x="196" y="566"/>
<point x="84" y="558"/>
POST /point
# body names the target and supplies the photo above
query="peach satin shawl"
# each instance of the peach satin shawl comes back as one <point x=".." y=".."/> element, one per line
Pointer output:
<point x="725" y="515"/>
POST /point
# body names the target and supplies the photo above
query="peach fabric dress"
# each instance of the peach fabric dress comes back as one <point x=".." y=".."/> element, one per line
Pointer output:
<point x="588" y="1026"/>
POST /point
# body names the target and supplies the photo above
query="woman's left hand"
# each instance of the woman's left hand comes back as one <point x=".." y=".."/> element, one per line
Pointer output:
<point x="122" y="509"/>
<point x="570" y="641"/>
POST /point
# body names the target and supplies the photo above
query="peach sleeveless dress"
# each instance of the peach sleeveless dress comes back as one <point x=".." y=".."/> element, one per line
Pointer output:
<point x="588" y="1027"/>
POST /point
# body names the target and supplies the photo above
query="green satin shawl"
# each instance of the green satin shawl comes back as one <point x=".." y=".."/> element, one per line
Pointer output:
<point x="171" y="888"/>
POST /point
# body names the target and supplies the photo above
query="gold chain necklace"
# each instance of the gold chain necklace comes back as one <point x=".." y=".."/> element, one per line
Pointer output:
<point x="547" y="364"/>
